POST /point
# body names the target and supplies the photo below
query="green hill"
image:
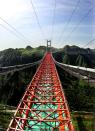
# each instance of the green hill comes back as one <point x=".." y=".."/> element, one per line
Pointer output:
<point x="69" y="55"/>
<point x="76" y="56"/>
<point x="79" y="94"/>
<point x="11" y="56"/>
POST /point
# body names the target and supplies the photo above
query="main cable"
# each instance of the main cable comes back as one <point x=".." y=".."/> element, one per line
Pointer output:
<point x="17" y="33"/>
<point x="37" y="19"/>
<point x="89" y="43"/>
<point x="81" y="20"/>
<point x="53" y="21"/>
<point x="13" y="33"/>
<point x="13" y="28"/>
<point x="69" y="20"/>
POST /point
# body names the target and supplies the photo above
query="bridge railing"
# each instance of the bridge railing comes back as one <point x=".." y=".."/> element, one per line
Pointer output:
<point x="9" y="69"/>
<point x="78" y="71"/>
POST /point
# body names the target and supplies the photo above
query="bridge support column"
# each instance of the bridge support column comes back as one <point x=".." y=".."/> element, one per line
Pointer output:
<point x="48" y="45"/>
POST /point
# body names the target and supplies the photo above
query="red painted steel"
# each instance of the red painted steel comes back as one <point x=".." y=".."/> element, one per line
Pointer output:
<point x="43" y="106"/>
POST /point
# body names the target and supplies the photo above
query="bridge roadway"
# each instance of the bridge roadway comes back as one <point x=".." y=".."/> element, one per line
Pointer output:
<point x="43" y="106"/>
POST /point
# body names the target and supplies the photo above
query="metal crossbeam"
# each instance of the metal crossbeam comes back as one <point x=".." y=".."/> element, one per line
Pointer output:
<point x="43" y="106"/>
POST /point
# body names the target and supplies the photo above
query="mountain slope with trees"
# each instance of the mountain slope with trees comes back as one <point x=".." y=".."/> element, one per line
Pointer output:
<point x="74" y="55"/>
<point x="69" y="55"/>
<point x="80" y="95"/>
<point x="11" y="56"/>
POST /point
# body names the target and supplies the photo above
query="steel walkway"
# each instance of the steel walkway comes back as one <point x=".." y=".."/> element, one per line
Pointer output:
<point x="43" y="106"/>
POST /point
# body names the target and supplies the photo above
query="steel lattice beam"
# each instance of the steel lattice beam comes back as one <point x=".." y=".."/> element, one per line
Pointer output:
<point x="43" y="106"/>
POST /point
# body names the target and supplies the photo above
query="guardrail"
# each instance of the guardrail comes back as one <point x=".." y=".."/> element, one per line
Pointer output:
<point x="77" y="71"/>
<point x="9" y="69"/>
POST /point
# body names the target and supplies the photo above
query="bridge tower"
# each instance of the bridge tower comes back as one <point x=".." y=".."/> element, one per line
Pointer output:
<point x="48" y="45"/>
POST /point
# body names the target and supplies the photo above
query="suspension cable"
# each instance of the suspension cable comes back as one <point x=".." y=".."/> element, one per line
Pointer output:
<point x="69" y="20"/>
<point x="53" y="21"/>
<point x="81" y="20"/>
<point x="19" y="34"/>
<point x="37" y="19"/>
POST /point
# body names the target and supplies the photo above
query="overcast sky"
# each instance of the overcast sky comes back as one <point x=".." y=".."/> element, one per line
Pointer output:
<point x="73" y="23"/>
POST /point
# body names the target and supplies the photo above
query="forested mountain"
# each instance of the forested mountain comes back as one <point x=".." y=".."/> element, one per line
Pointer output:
<point x="11" y="56"/>
<point x="69" y="55"/>
<point x="76" y="56"/>
<point x="79" y="94"/>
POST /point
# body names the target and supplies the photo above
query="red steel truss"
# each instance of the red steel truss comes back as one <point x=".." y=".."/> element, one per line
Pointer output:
<point x="43" y="106"/>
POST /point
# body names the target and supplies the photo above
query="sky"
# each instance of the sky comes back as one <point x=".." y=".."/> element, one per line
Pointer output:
<point x="33" y="22"/>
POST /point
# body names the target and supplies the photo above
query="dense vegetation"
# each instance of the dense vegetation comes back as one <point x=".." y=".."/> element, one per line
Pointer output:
<point x="6" y="114"/>
<point x="83" y="121"/>
<point x="12" y="86"/>
<point x="69" y="54"/>
<point x="79" y="94"/>
<point x="11" y="56"/>
<point x="74" y="55"/>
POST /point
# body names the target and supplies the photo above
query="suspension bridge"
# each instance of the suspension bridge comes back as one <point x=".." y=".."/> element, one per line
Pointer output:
<point x="43" y="106"/>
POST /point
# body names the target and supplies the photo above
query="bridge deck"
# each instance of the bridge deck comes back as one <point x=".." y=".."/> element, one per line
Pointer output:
<point x="43" y="106"/>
